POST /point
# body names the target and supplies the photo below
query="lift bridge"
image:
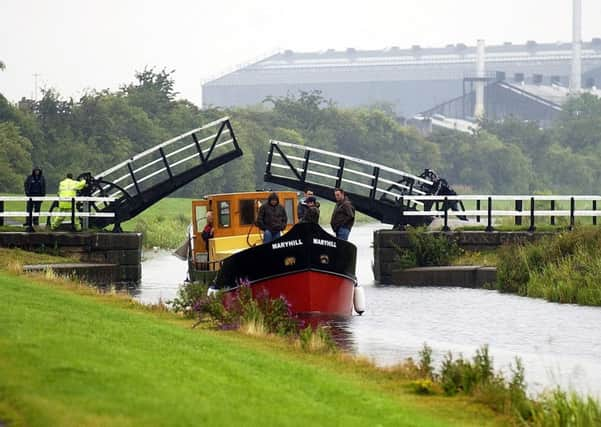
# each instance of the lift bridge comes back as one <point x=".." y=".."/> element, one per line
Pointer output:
<point x="147" y="177"/>
<point x="376" y="190"/>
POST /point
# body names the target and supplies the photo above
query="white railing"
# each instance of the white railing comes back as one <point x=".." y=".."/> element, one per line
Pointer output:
<point x="168" y="158"/>
<point x="29" y="215"/>
<point x="441" y="206"/>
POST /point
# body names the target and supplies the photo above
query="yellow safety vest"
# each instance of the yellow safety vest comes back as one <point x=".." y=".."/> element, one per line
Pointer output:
<point x="68" y="188"/>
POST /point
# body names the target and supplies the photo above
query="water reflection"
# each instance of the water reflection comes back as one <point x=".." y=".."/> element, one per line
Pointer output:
<point x="559" y="344"/>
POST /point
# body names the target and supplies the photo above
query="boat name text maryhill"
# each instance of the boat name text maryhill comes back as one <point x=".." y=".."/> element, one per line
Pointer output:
<point x="324" y="242"/>
<point x="287" y="244"/>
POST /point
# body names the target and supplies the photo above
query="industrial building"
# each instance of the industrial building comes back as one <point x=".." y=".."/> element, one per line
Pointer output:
<point x="412" y="80"/>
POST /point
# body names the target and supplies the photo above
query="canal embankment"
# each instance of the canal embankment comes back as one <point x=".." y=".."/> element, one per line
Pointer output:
<point x="98" y="257"/>
<point x="55" y="356"/>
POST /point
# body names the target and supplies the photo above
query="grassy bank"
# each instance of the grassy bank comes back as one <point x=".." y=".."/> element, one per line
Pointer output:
<point x="69" y="356"/>
<point x="565" y="268"/>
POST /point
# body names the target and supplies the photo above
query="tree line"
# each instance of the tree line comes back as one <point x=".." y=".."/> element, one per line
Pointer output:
<point x="103" y="128"/>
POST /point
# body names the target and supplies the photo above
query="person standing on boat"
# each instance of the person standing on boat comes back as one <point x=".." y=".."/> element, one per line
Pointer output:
<point x="312" y="211"/>
<point x="343" y="216"/>
<point x="301" y="209"/>
<point x="272" y="218"/>
<point x="208" y="231"/>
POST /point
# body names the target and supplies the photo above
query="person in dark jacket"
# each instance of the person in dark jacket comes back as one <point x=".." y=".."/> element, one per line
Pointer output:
<point x="272" y="218"/>
<point x="343" y="216"/>
<point x="301" y="209"/>
<point x="35" y="186"/>
<point x="311" y="211"/>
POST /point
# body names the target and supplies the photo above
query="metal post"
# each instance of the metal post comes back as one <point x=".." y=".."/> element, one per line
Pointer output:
<point x="518" y="207"/>
<point x="73" y="214"/>
<point x="594" y="209"/>
<point x="340" y="172"/>
<point x="402" y="209"/>
<point x="306" y="165"/>
<point x="446" y="215"/>
<point x="489" y="226"/>
<point x="30" y="215"/>
<point x="1" y="212"/>
<point x="477" y="208"/>
<point x="572" y="208"/>
<point x="553" y="208"/>
<point x="86" y="219"/>
<point x="532" y="226"/>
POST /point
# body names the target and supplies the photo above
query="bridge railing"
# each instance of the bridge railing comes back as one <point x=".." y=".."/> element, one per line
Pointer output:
<point x="309" y="165"/>
<point x="170" y="158"/>
<point x="491" y="206"/>
<point x="20" y="202"/>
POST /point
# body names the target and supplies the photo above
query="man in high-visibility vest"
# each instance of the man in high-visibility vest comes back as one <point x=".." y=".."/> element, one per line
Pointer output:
<point x="68" y="187"/>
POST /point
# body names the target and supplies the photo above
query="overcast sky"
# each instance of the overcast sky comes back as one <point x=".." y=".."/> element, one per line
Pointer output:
<point x="75" y="45"/>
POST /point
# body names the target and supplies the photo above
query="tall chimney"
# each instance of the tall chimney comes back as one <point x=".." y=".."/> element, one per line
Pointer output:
<point x="481" y="75"/>
<point x="576" y="76"/>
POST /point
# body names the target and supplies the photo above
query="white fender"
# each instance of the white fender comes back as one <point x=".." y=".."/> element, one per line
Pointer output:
<point x="359" y="299"/>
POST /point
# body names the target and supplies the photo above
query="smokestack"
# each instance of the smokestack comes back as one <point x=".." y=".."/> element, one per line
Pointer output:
<point x="481" y="75"/>
<point x="576" y="76"/>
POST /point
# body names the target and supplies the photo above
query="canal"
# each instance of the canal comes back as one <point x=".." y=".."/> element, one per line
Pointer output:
<point x="559" y="344"/>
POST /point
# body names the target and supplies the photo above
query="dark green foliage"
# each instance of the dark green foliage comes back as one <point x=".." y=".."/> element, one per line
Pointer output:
<point x="564" y="268"/>
<point x="103" y="127"/>
<point x="187" y="296"/>
<point x="427" y="249"/>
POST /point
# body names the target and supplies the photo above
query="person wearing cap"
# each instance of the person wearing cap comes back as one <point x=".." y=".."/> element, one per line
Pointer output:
<point x="272" y="218"/>
<point x="311" y="211"/>
<point x="67" y="188"/>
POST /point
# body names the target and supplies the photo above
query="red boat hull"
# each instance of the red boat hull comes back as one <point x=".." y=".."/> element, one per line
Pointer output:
<point x="311" y="292"/>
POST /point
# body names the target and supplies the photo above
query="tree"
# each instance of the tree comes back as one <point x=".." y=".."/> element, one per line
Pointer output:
<point x="154" y="92"/>
<point x="15" y="158"/>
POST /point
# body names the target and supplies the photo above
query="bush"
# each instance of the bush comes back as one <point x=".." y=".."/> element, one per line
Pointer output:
<point x="564" y="268"/>
<point x="187" y="296"/>
<point x="427" y="249"/>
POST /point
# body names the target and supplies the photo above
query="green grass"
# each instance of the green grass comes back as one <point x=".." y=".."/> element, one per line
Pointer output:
<point x="563" y="268"/>
<point x="71" y="357"/>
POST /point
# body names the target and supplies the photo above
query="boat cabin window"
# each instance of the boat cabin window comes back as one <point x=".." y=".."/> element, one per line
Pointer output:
<point x="289" y="206"/>
<point x="201" y="216"/>
<point x="224" y="214"/>
<point x="247" y="212"/>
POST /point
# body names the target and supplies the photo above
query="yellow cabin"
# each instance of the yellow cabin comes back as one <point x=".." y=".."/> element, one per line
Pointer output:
<point x="234" y="229"/>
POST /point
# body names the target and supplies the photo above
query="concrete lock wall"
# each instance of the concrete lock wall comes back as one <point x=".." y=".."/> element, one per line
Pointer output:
<point x="120" y="254"/>
<point x="386" y="260"/>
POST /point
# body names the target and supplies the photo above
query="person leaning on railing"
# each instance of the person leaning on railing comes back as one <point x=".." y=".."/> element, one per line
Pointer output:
<point x="68" y="187"/>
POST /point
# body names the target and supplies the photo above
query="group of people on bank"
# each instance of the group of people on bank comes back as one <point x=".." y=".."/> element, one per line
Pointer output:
<point x="272" y="218"/>
<point x="35" y="186"/>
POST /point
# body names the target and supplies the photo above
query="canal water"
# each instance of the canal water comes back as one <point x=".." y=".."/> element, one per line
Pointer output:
<point x="559" y="344"/>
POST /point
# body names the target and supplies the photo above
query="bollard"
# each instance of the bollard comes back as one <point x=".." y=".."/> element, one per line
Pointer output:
<point x="552" y="208"/>
<point x="1" y="212"/>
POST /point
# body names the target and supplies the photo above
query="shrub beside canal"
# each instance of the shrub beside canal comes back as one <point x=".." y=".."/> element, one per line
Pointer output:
<point x="427" y="249"/>
<point x="565" y="268"/>
<point x="261" y="316"/>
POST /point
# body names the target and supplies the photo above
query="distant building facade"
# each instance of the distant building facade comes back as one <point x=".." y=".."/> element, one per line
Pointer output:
<point x="411" y="80"/>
